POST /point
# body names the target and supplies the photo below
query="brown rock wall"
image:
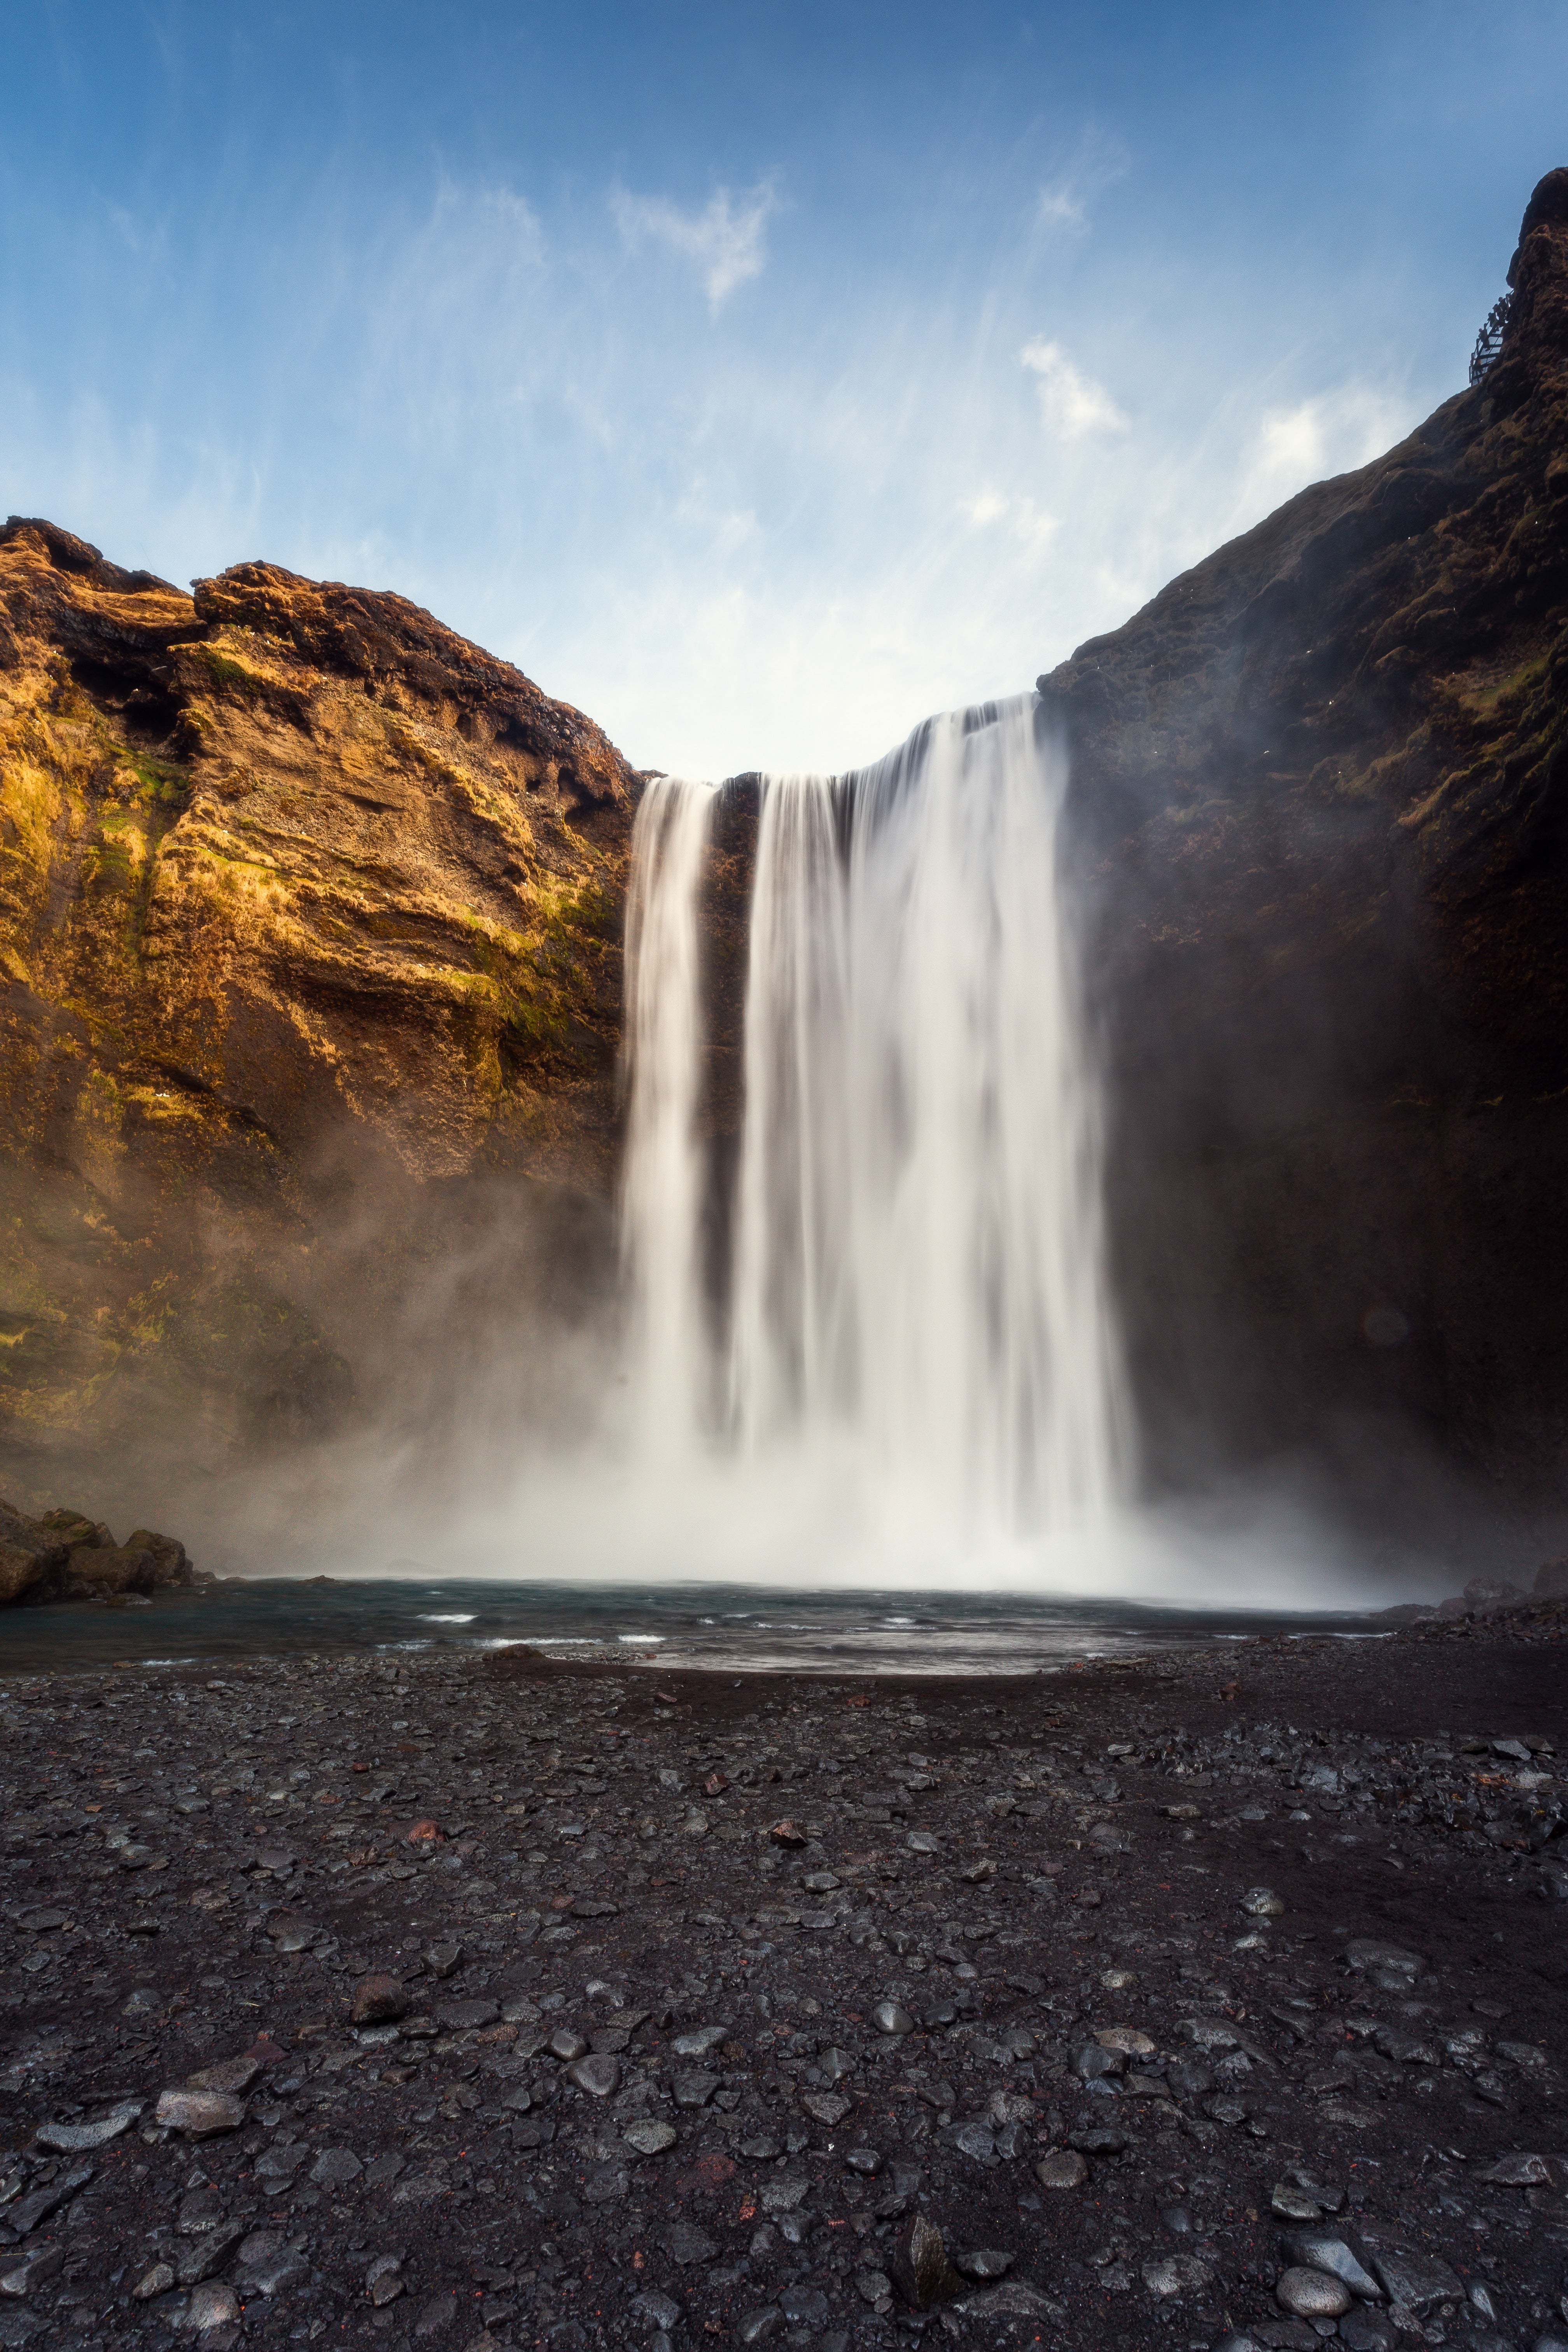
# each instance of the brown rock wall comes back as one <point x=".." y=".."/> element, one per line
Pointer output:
<point x="310" y="923"/>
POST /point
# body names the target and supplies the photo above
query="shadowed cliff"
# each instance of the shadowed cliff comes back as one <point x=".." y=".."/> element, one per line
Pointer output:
<point x="1320" y="804"/>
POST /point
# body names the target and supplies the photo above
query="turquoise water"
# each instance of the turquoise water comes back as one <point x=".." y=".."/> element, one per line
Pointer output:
<point x="715" y="1626"/>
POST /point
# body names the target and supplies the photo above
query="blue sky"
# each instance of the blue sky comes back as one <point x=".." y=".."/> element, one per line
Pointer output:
<point x="759" y="377"/>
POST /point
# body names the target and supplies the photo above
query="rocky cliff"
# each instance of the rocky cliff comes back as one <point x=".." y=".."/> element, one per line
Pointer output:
<point x="1319" y="809"/>
<point x="310" y="952"/>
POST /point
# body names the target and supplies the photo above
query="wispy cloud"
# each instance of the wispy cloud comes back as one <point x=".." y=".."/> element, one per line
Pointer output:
<point x="1072" y="404"/>
<point x="726" y="240"/>
<point x="1062" y="205"/>
<point x="1030" y="525"/>
<point x="1332" y="433"/>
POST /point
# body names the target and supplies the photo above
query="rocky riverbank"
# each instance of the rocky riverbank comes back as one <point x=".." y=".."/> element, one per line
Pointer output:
<point x="462" y="2000"/>
<point x="66" y="1556"/>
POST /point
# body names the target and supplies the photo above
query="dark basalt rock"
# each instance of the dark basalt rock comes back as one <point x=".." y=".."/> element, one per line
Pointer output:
<point x="1319" y="811"/>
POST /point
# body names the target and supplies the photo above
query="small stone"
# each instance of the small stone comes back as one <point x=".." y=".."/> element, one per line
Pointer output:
<point x="1320" y="2250"/>
<point x="686" y="2245"/>
<point x="597" y="2074"/>
<point x="699" y="2042"/>
<point x="819" y="1882"/>
<point x="567" y="2043"/>
<point x="1064" y="2167"/>
<point x="1177" y="2274"/>
<point x="920" y="2267"/>
<point x="383" y="2280"/>
<point x="379" y="2000"/>
<point x="470" y="2016"/>
<point x="1418" y="2281"/>
<point x="1262" y="1903"/>
<point x="215" y="2304"/>
<point x="783" y="2193"/>
<point x="236" y="2074"/>
<point x="1090" y="2063"/>
<point x="19" y="2279"/>
<point x="435" y="2316"/>
<point x="1383" y="1961"/>
<point x="761" y="2325"/>
<point x="922" y="1841"/>
<point x="1311" y="2294"/>
<point x="259" y="2247"/>
<point x="874" y="2287"/>
<point x="866" y="2161"/>
<point x="443" y="1959"/>
<point x="661" y="2310"/>
<point x="694" y="2089"/>
<point x="157" y="2281"/>
<point x="336" y="2167"/>
<point x="69" y="2139"/>
<point x="825" y="2108"/>
<point x="983" y="2263"/>
<point x="647" y="2136"/>
<point x="1517" y="2171"/>
<point x="887" y="2017"/>
<point x="1293" y="2204"/>
<point x="199" y="2113"/>
<point x="207" y="2256"/>
<point x="786" y="1833"/>
<point x="1128" y="2039"/>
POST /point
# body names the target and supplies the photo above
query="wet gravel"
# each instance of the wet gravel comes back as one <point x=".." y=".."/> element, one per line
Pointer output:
<point x="470" y="2002"/>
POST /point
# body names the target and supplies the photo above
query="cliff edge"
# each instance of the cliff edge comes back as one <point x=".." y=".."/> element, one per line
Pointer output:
<point x="310" y="924"/>
<point x="1320" y="810"/>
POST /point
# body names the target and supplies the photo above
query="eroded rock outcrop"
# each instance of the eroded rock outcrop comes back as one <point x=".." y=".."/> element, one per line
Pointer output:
<point x="1319" y="800"/>
<point x="62" y="1555"/>
<point x="310" y="938"/>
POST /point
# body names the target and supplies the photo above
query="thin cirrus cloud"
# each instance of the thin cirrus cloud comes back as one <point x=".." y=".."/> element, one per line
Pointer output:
<point x="727" y="240"/>
<point x="1071" y="402"/>
<point x="1032" y="526"/>
<point x="1062" y="205"/>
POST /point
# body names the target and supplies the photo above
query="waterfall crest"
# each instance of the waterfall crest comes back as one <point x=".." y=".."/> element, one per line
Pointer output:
<point x="917" y="1268"/>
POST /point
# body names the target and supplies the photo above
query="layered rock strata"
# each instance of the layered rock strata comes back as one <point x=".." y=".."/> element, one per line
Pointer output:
<point x="310" y="940"/>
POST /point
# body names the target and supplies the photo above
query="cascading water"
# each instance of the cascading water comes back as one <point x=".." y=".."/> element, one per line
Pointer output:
<point x="661" y="1196"/>
<point x="917" y="1277"/>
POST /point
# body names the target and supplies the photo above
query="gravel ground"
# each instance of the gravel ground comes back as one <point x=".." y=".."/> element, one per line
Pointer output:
<point x="472" y="2001"/>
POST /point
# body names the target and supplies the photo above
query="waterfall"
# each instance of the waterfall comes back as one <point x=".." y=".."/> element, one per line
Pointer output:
<point x="662" y="1186"/>
<point x="917" y="1265"/>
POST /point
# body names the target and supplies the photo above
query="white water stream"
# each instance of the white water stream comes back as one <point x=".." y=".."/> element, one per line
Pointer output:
<point x="916" y="1288"/>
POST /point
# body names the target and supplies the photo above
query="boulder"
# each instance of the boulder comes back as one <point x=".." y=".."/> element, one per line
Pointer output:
<point x="112" y="1568"/>
<point x="20" y="1569"/>
<point x="170" y="1564"/>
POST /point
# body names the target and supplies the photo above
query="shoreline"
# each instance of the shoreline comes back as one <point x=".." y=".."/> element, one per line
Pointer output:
<point x="1115" y="1909"/>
